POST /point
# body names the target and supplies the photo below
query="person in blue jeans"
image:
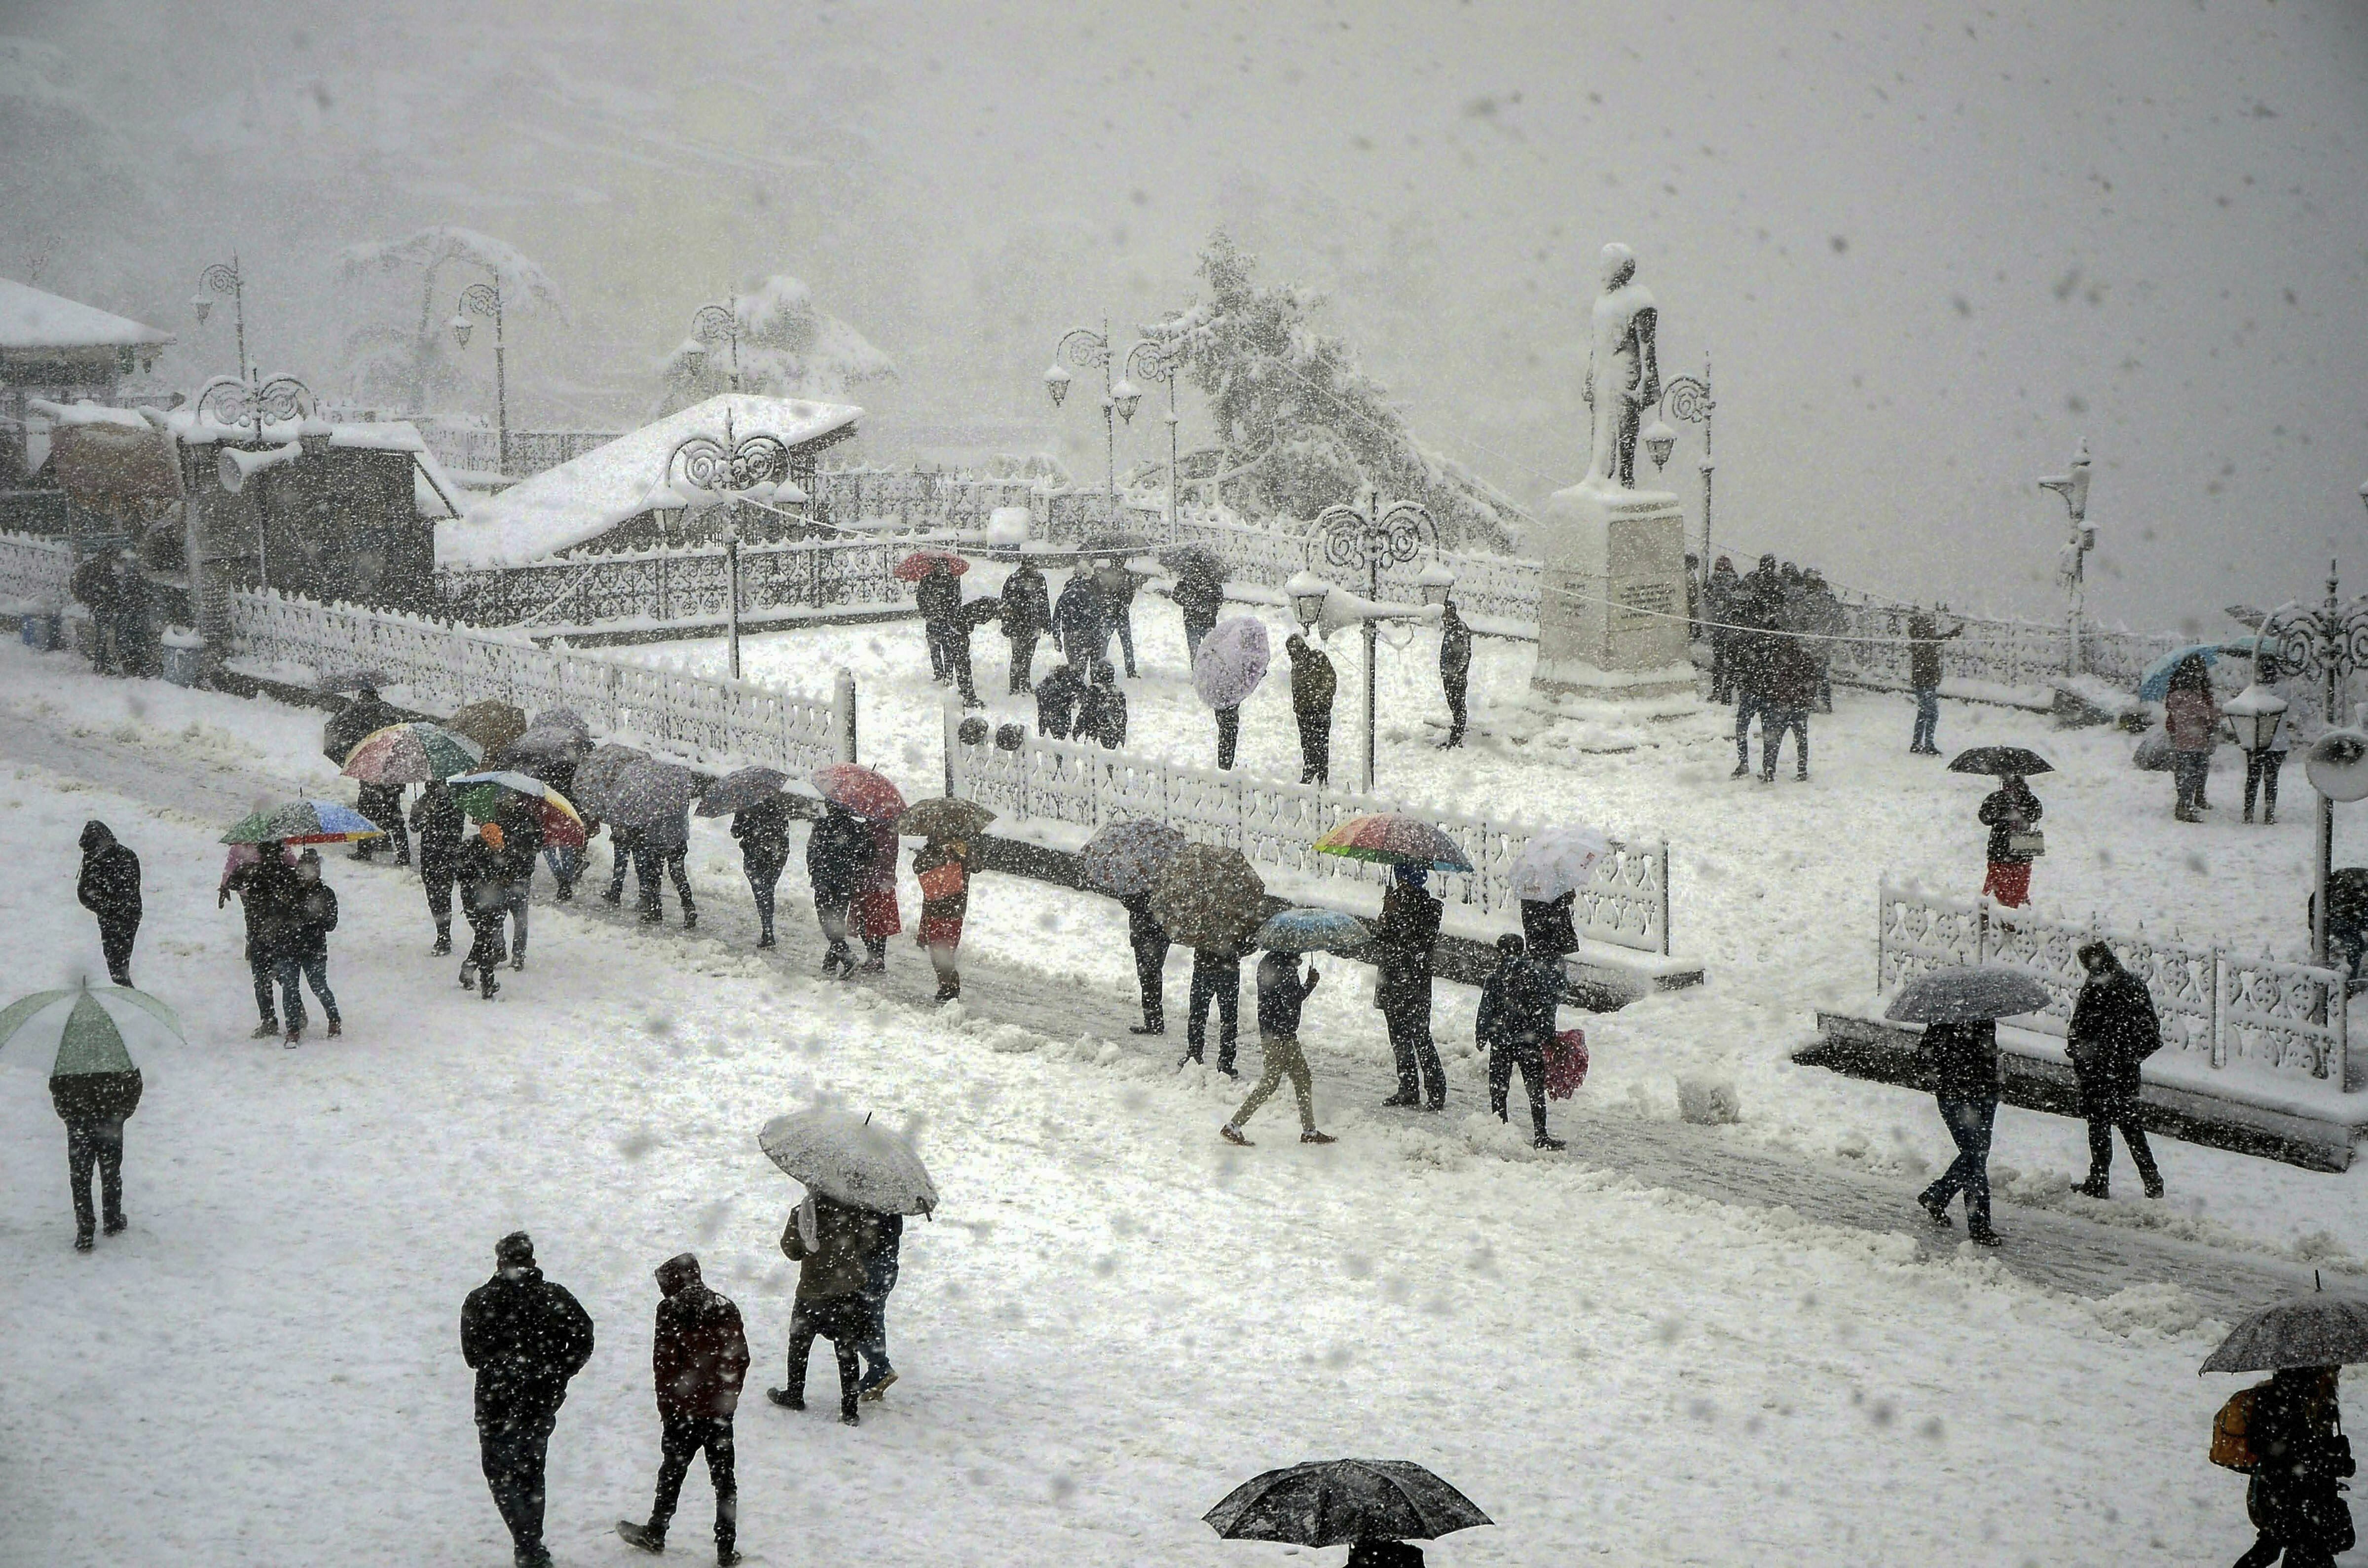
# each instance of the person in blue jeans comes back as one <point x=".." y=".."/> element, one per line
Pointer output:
<point x="306" y="952"/>
<point x="1965" y="1060"/>
<point x="1924" y="640"/>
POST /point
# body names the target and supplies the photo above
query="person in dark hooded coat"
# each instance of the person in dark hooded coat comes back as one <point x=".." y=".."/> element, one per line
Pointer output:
<point x="2113" y="1029"/>
<point x="2295" y="1498"/>
<point x="698" y="1358"/>
<point x="1406" y="933"/>
<point x="268" y="890"/>
<point x="1027" y="616"/>
<point x="439" y="822"/>
<point x="763" y="830"/>
<point x="1058" y="697"/>
<point x="1515" y="1019"/>
<point x="110" y="889"/>
<point x="838" y="851"/>
<point x="484" y="879"/>
<point x="93" y="1098"/>
<point x="524" y="1337"/>
<point x="1102" y="716"/>
<point x="366" y="715"/>
<point x="1149" y="940"/>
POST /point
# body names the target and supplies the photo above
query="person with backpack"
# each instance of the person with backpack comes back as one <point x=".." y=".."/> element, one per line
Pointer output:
<point x="699" y="1357"/>
<point x="1965" y="1061"/>
<point x="2113" y="1029"/>
<point x="1102" y="716"/>
<point x="109" y="888"/>
<point x="1515" y="1021"/>
<point x="2287" y="1433"/>
<point x="1281" y="993"/>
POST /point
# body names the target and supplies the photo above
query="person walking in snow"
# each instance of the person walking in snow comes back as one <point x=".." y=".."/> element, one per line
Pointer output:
<point x="1081" y="622"/>
<point x="306" y="958"/>
<point x="437" y="817"/>
<point x="1118" y="584"/>
<point x="874" y="911"/>
<point x="521" y="823"/>
<point x="879" y="1283"/>
<point x="1454" y="671"/>
<point x="833" y="1244"/>
<point x="1823" y="613"/>
<point x="1751" y="656"/>
<point x="2192" y="720"/>
<point x="1200" y="594"/>
<point x="1548" y="930"/>
<point x="2113" y="1029"/>
<point x="1515" y="1019"/>
<point x="942" y="867"/>
<point x="109" y="888"/>
<point x="698" y="1358"/>
<point x="1406" y="933"/>
<point x="1027" y="616"/>
<point x="1216" y="977"/>
<point x="662" y="853"/>
<point x="94" y="1088"/>
<point x="839" y="850"/>
<point x="1965" y="1058"/>
<point x="266" y="889"/>
<point x="2007" y="811"/>
<point x="1924" y="640"/>
<point x="484" y="877"/>
<point x="1101" y="717"/>
<point x="2302" y="1459"/>
<point x="524" y="1337"/>
<point x="1229" y="734"/>
<point x="938" y="595"/>
<point x="565" y="860"/>
<point x="1789" y="689"/>
<point x="763" y="830"/>
<point x="1281" y="993"/>
<point x="624" y="851"/>
<point x="1314" y="684"/>
<point x="1149" y="940"/>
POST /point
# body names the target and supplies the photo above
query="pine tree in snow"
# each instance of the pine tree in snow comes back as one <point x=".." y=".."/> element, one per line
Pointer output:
<point x="788" y="347"/>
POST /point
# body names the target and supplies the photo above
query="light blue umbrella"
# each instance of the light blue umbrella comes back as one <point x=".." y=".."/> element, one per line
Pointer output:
<point x="1312" y="931"/>
<point x="2154" y="685"/>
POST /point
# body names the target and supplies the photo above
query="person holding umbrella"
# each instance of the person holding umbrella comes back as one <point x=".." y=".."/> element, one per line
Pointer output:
<point x="437" y="819"/>
<point x="267" y="890"/>
<point x="662" y="853"/>
<point x="93" y="1082"/>
<point x="839" y="850"/>
<point x="1124" y="859"/>
<point x="1407" y="933"/>
<point x="2287" y="1433"/>
<point x="1282" y="992"/>
<point x="1230" y="663"/>
<point x="484" y="883"/>
<point x="942" y="867"/>
<point x="2012" y="813"/>
<point x="763" y="829"/>
<point x="379" y="800"/>
<point x="1210" y="899"/>
<point x="698" y="1358"/>
<point x="109" y="888"/>
<point x="874" y="911"/>
<point x="2113" y="1029"/>
<point x="1959" y="1009"/>
<point x="1375" y="1508"/>
<point x="1515" y="1019"/>
<point x="2190" y="718"/>
<point x="1149" y="941"/>
<point x="832" y="1243"/>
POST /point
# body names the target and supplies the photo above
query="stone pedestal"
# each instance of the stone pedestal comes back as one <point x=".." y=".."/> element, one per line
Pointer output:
<point x="1611" y="619"/>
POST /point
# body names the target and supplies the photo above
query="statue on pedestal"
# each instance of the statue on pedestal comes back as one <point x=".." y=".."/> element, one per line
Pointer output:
<point x="1623" y="379"/>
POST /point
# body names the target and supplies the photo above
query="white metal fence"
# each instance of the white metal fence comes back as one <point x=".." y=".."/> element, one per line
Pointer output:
<point x="1276" y="825"/>
<point x="668" y="586"/>
<point x="2287" y="1021"/>
<point x="465" y="447"/>
<point x="2003" y="652"/>
<point x="35" y="572"/>
<point x="698" y="719"/>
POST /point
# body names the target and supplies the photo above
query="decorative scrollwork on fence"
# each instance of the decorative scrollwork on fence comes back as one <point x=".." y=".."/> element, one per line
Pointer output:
<point x="226" y="400"/>
<point x="2328" y="639"/>
<point x="1687" y="399"/>
<point x="709" y="465"/>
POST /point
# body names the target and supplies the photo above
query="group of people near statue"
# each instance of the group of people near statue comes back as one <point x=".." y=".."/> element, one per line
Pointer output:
<point x="1770" y="635"/>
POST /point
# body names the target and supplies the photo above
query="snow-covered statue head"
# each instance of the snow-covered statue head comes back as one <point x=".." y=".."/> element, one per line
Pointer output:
<point x="1623" y="380"/>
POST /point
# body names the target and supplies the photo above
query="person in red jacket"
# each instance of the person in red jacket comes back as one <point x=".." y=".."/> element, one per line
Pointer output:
<point x="700" y="1357"/>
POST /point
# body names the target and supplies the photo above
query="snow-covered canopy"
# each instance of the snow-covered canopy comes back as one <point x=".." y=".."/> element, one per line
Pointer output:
<point x="33" y="318"/>
<point x="613" y="484"/>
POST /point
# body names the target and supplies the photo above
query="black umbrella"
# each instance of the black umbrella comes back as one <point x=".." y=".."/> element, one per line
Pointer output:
<point x="1334" y="1501"/>
<point x="1185" y="559"/>
<point x="1967" y="994"/>
<point x="2001" y="761"/>
<point x="357" y="721"/>
<point x="2321" y="1330"/>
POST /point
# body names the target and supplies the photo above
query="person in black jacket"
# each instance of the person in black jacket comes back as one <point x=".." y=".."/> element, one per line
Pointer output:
<point x="1515" y="1019"/>
<point x="110" y="889"/>
<point x="521" y="824"/>
<point x="1027" y="616"/>
<point x="879" y="1283"/>
<point x="1149" y="940"/>
<point x="2295" y="1497"/>
<point x="364" y="716"/>
<point x="267" y="892"/>
<point x="1057" y="697"/>
<point x="484" y="879"/>
<point x="763" y="830"/>
<point x="524" y="1337"/>
<point x="1102" y="715"/>
<point x="1282" y="993"/>
<point x="938" y="597"/>
<point x="1216" y="977"/>
<point x="1547" y="930"/>
<point x="1454" y="671"/>
<point x="699" y="1357"/>
<point x="2113" y="1029"/>
<point x="1406" y="933"/>
<point x="437" y="819"/>
<point x="94" y="1106"/>
<point x="307" y="954"/>
<point x="838" y="851"/>
<point x="1966" y="1062"/>
<point x="1200" y="594"/>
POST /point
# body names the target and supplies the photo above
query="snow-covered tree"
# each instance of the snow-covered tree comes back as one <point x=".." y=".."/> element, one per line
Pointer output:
<point x="417" y="365"/>
<point x="1301" y="426"/>
<point x="788" y="347"/>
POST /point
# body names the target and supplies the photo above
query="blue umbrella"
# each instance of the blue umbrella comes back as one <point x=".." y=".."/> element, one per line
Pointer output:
<point x="2154" y="685"/>
<point x="1312" y="931"/>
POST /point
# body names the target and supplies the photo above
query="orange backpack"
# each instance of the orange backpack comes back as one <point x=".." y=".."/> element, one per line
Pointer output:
<point x="2232" y="1443"/>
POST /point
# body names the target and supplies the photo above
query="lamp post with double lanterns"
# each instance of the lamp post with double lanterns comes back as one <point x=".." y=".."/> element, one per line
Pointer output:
<point x="1686" y="399"/>
<point x="224" y="278"/>
<point x="703" y="471"/>
<point x="1369" y="538"/>
<point x="235" y="400"/>
<point x="1158" y="360"/>
<point x="2329" y="641"/>
<point x="485" y="299"/>
<point x="1091" y="351"/>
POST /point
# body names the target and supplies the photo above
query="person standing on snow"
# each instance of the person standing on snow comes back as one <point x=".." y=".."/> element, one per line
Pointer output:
<point x="879" y="1282"/>
<point x="1751" y="656"/>
<point x="1058" y="696"/>
<point x="307" y="955"/>
<point x="2301" y="1458"/>
<point x="1515" y="1019"/>
<point x="2192" y="720"/>
<point x="942" y="867"/>
<point x="485" y="884"/>
<point x="698" y="1358"/>
<point x="521" y="823"/>
<point x="1216" y="977"/>
<point x="1149" y="940"/>
<point x="2007" y="811"/>
<point x="1718" y="602"/>
<point x="2113" y="1029"/>
<point x="662" y="853"/>
<point x="1924" y="640"/>
<point x="839" y="850"/>
<point x="1788" y="691"/>
<point x="874" y="911"/>
<point x="109" y="888"/>
<point x="437" y="817"/>
<point x="624" y="850"/>
<point x="1081" y="622"/>
<point x="1118" y="584"/>
<point x="938" y="595"/>
<point x="1101" y="717"/>
<point x="267" y="890"/>
<point x="1199" y="592"/>
<point x="833" y="1244"/>
<point x="1965" y="1061"/>
<point x="1281" y="993"/>
<point x="524" y="1337"/>
<point x="1027" y="616"/>
<point x="1454" y="671"/>
<point x="763" y="830"/>
<point x="1823" y="613"/>
<point x="2302" y="722"/>
<point x="1314" y="684"/>
<point x="1406" y="933"/>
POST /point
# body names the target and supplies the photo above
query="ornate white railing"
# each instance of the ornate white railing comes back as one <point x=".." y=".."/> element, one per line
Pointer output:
<point x="2003" y="652"/>
<point x="678" y="585"/>
<point x="1502" y="587"/>
<point x="1276" y="825"/>
<point x="698" y="719"/>
<point x="35" y="571"/>
<point x="2217" y="1006"/>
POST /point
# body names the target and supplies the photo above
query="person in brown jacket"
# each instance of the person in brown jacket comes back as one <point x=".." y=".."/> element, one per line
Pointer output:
<point x="698" y="1358"/>
<point x="1313" y="685"/>
<point x="832" y="1245"/>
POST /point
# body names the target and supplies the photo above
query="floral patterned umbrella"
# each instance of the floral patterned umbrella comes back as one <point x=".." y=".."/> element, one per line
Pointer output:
<point x="480" y="795"/>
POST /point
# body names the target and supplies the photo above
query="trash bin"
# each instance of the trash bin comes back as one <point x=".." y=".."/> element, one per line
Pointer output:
<point x="182" y="662"/>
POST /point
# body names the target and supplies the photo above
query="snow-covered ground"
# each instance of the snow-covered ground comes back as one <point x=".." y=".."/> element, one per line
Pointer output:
<point x="1115" y="1317"/>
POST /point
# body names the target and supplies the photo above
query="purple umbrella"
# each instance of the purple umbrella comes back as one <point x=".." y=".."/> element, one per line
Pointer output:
<point x="1231" y="662"/>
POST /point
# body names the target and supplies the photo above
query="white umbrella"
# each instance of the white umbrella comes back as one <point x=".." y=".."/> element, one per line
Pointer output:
<point x="850" y="1159"/>
<point x="1556" y="861"/>
<point x="88" y="1030"/>
<point x="1232" y="661"/>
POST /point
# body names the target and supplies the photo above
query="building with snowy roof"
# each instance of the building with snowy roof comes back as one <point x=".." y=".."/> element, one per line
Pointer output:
<point x="60" y="350"/>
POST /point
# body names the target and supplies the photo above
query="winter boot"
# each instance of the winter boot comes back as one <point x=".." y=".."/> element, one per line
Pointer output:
<point x="468" y="977"/>
<point x="295" y="1038"/>
<point x="949" y="990"/>
<point x="2099" y="1185"/>
<point x="764" y="940"/>
<point x="565" y="894"/>
<point x="873" y="1388"/>
<point x="1551" y="1145"/>
<point x="689" y="918"/>
<point x="1233" y="1135"/>
<point x="1742" y="769"/>
<point x="1982" y="1236"/>
<point x="1937" y="1213"/>
<point x="114" y="1223"/>
<point x="487" y="986"/>
<point x="83" y="1240"/>
<point x="337" y="1027"/>
<point x="1311" y="1136"/>
<point x="785" y="1399"/>
<point x="443" y="942"/>
<point x="649" y="1538"/>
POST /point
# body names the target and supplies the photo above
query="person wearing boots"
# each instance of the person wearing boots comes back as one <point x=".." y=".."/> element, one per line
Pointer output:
<point x="832" y="1243"/>
<point x="1027" y="616"/>
<point x="1454" y="671"/>
<point x="109" y="888"/>
<point x="763" y="829"/>
<point x="700" y="1356"/>
<point x="1515" y="1019"/>
<point x="942" y="867"/>
<point x="94" y="1087"/>
<point x="1149" y="940"/>
<point x="437" y="819"/>
<point x="1964" y="1057"/>
<point x="524" y="1337"/>
<point x="839" y="850"/>
<point x="1314" y="684"/>
<point x="663" y="853"/>
<point x="1406" y="933"/>
<point x="267" y="892"/>
<point x="1216" y="977"/>
<point x="306" y="958"/>
<point x="485" y="900"/>
<point x="2113" y="1029"/>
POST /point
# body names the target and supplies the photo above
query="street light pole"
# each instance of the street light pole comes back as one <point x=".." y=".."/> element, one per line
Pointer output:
<point x="2074" y="488"/>
<point x="233" y="400"/>
<point x="2330" y="642"/>
<point x="1088" y="350"/>
<point x="1159" y="360"/>
<point x="485" y="299"/>
<point x="704" y="472"/>
<point x="1371" y="538"/>
<point x="710" y="322"/>
<point x="224" y="278"/>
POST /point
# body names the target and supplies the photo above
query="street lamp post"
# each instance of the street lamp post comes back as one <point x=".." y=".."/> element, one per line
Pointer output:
<point x="1371" y="539"/>
<point x="2331" y="643"/>
<point x="224" y="278"/>
<point x="1091" y="351"/>
<point x="2072" y="568"/>
<point x="485" y="299"/>
<point x="1684" y="398"/>
<point x="703" y="471"/>
<point x="711" y="323"/>
<point x="1158" y="360"/>
<point x="229" y="400"/>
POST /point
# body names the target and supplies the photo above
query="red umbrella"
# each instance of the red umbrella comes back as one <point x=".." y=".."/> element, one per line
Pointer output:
<point x="915" y="566"/>
<point x="860" y="791"/>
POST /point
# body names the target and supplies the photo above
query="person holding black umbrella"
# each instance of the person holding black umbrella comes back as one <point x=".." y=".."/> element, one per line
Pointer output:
<point x="833" y="1244"/>
<point x="1965" y="1058"/>
<point x="2301" y="1460"/>
<point x="1515" y="1021"/>
<point x="1149" y="940"/>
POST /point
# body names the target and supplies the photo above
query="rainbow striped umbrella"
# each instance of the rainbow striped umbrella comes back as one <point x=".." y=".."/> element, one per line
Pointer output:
<point x="1394" y="838"/>
<point x="412" y="752"/>
<point x="304" y="821"/>
<point x="480" y="795"/>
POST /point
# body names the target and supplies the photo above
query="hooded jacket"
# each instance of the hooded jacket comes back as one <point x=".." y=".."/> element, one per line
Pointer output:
<point x="524" y="1337"/>
<point x="699" y="1356"/>
<point x="2113" y="1025"/>
<point x="838" y="851"/>
<point x="832" y="1245"/>
<point x="1027" y="604"/>
<point x="1313" y="682"/>
<point x="1517" y="1005"/>
<point x="109" y="886"/>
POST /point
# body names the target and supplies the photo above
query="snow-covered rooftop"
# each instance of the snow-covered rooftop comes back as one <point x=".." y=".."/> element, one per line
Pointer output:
<point x="610" y="484"/>
<point x="33" y="318"/>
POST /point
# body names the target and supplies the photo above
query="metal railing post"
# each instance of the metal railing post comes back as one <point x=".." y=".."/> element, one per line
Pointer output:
<point x="843" y="699"/>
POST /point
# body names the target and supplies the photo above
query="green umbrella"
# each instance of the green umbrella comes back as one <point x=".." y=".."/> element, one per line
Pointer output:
<point x="91" y="1030"/>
